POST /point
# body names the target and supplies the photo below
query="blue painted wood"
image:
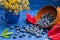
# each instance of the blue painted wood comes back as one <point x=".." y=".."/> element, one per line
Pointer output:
<point x="37" y="4"/>
<point x="59" y="2"/>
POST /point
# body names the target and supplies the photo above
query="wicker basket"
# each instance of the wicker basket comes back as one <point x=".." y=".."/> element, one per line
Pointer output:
<point x="52" y="10"/>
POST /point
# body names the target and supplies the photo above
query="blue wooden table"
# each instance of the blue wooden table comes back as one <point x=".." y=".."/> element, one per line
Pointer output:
<point x="35" y="5"/>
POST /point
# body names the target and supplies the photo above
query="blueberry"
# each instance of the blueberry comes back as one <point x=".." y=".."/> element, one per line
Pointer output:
<point x="30" y="28"/>
<point x="48" y="18"/>
<point x="41" y="30"/>
<point x="40" y="35"/>
<point x="23" y="34"/>
<point x="22" y="30"/>
<point x="12" y="27"/>
<point x="39" y="23"/>
<point x="37" y="35"/>
<point x="29" y="36"/>
<point x="52" y="19"/>
<point x="43" y="20"/>
<point x="43" y="33"/>
<point x="31" y="25"/>
<point x="35" y="29"/>
<point x="16" y="34"/>
<point x="17" y="28"/>
<point x="46" y="39"/>
<point x="27" y="30"/>
<point x="14" y="37"/>
<point x="46" y="30"/>
<point x="31" y="32"/>
<point x="46" y="15"/>
<point x="45" y="24"/>
<point x="42" y="16"/>
<point x="24" y="26"/>
<point x="48" y="22"/>
<point x="17" y="31"/>
<point x="20" y="36"/>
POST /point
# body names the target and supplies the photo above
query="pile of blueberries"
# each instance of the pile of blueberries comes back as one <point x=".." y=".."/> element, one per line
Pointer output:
<point x="46" y="20"/>
<point x="31" y="30"/>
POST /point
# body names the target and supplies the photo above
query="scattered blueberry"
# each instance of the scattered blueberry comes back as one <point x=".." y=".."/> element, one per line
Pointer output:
<point x="43" y="33"/>
<point x="17" y="28"/>
<point x="20" y="36"/>
<point x="29" y="36"/>
<point x="24" y="34"/>
<point x="38" y="35"/>
<point x="46" y="39"/>
<point x="24" y="26"/>
<point x="16" y="34"/>
<point x="22" y="30"/>
<point x="14" y="37"/>
<point x="31" y="25"/>
<point x="46" y="30"/>
<point x="17" y="31"/>
<point x="31" y="32"/>
<point x="12" y="27"/>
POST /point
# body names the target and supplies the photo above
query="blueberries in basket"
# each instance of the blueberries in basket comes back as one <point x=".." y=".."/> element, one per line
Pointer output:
<point x="46" y="20"/>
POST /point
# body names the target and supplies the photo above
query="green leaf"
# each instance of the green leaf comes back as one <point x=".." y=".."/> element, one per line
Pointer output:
<point x="5" y="31"/>
<point x="8" y="33"/>
<point x="6" y="36"/>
